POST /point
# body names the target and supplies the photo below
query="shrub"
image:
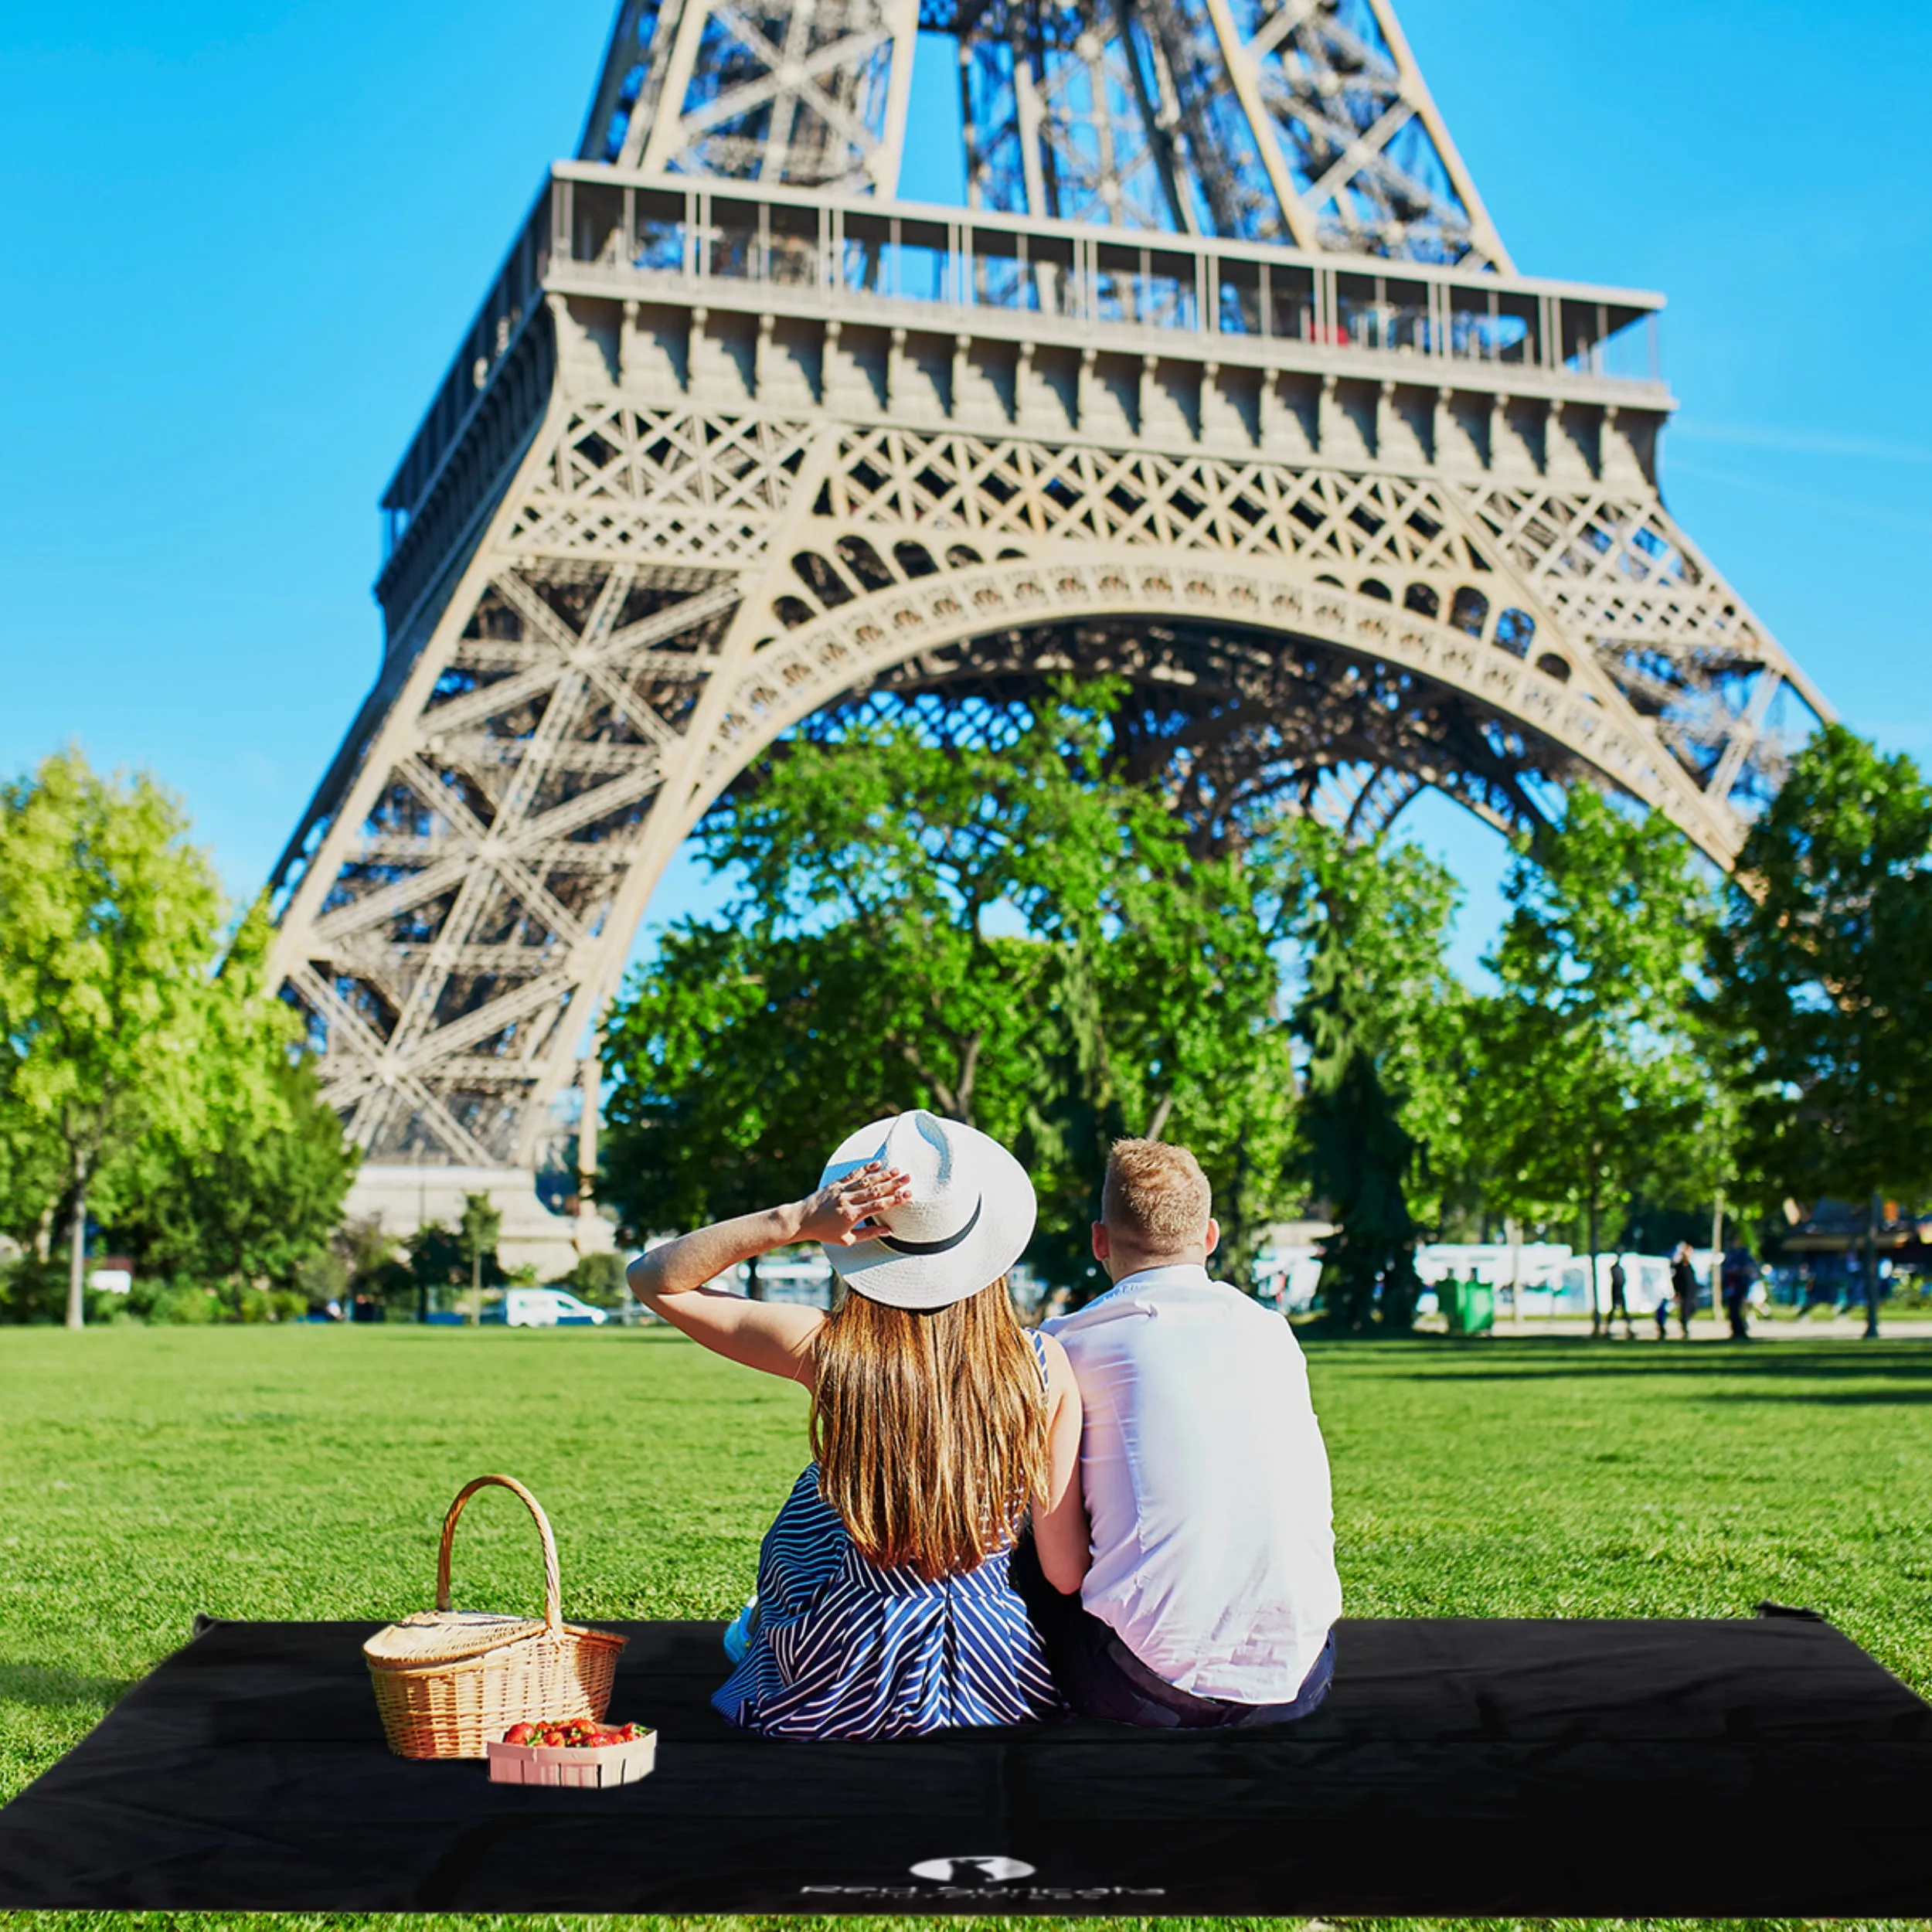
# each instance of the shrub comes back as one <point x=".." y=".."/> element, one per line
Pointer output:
<point x="253" y="1304"/>
<point x="176" y="1304"/>
<point x="597" y="1279"/>
<point x="323" y="1277"/>
<point x="32" y="1291"/>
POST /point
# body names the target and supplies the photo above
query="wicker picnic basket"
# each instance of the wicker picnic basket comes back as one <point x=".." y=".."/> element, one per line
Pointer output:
<point x="448" y="1681"/>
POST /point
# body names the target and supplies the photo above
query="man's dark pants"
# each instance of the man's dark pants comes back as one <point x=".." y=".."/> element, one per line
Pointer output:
<point x="1101" y="1677"/>
<point x="1619" y="1305"/>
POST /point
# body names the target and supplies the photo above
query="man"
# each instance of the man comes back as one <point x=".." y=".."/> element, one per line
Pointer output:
<point x="1212" y="1591"/>
<point x="1619" y="1281"/>
<point x="1683" y="1283"/>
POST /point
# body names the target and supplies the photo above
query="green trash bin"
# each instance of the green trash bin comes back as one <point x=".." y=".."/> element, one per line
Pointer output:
<point x="1480" y="1315"/>
<point x="1471" y="1306"/>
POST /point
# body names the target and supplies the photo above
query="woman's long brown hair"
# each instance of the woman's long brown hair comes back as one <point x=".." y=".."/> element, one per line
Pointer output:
<point x="930" y="1429"/>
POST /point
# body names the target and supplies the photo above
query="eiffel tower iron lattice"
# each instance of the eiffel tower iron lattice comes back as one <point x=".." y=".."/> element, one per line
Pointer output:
<point x="1221" y="381"/>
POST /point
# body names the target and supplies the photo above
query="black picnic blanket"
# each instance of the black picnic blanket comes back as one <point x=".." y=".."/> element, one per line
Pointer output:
<point x="1616" y="1768"/>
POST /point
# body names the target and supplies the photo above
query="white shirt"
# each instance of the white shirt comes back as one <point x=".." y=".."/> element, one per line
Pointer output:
<point x="1206" y="1482"/>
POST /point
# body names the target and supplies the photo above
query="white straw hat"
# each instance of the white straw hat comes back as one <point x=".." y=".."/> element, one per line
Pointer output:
<point x="969" y="1219"/>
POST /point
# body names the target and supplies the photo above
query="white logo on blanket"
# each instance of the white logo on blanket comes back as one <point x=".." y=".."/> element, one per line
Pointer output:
<point x="998" y="1871"/>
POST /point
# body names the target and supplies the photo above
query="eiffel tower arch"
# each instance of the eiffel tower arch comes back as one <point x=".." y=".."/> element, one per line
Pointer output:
<point x="1221" y="380"/>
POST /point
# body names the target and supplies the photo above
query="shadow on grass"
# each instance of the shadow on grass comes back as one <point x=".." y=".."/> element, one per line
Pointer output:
<point x="1909" y="1363"/>
<point x="43" y="1687"/>
<point x="1705" y="1346"/>
<point x="1834" y="1398"/>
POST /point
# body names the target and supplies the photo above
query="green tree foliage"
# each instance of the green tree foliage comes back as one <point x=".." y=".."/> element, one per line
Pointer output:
<point x="1594" y="1079"/>
<point x="1015" y="938"/>
<point x="1381" y="1017"/>
<point x="728" y="1065"/>
<point x="476" y="1236"/>
<point x="31" y="1175"/>
<point x="140" y="1085"/>
<point x="106" y="916"/>
<point x="249" y="1210"/>
<point x="377" y="1275"/>
<point x="437" y="1263"/>
<point x="246" y="1203"/>
<point x="598" y="1279"/>
<point x="1824" y="970"/>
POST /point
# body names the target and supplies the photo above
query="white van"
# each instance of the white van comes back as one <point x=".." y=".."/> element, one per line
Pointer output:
<point x="545" y="1308"/>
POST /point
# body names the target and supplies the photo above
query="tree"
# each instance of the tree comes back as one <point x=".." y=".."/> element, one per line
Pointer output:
<point x="377" y="1274"/>
<point x="1593" y="1072"/>
<point x="727" y="1057"/>
<point x="107" y="928"/>
<point x="249" y="1196"/>
<point x="1379" y="1017"/>
<point x="1014" y="936"/>
<point x="249" y="1210"/>
<point x="149" y="1078"/>
<point x="476" y="1235"/>
<point x="1821" y="968"/>
<point x="436" y="1261"/>
<point x="598" y="1278"/>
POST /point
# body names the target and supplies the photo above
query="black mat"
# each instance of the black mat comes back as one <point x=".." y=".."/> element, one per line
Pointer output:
<point x="1745" y="1769"/>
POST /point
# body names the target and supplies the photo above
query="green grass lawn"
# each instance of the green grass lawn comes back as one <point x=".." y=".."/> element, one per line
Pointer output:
<point x="303" y="1472"/>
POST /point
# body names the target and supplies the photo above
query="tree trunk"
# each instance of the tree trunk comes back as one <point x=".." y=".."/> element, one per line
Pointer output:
<point x="1872" y="1268"/>
<point x="1717" y="1256"/>
<point x="1590" y="1272"/>
<point x="969" y="1077"/>
<point x="1157" y="1125"/>
<point x="476" y="1285"/>
<point x="752" y="1290"/>
<point x="77" y="1259"/>
<point x="944" y="1100"/>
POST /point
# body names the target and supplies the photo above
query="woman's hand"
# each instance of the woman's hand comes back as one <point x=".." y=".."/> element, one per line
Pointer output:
<point x="777" y="1337"/>
<point x="836" y="1215"/>
<point x="839" y="1214"/>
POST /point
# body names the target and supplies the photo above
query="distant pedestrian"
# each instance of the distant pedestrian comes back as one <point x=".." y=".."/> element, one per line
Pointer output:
<point x="1660" y="1315"/>
<point x="1619" y="1303"/>
<point x="1737" y="1275"/>
<point x="1683" y="1281"/>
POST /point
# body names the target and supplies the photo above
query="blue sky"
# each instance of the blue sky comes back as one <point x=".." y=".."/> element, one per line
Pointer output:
<point x="245" y="239"/>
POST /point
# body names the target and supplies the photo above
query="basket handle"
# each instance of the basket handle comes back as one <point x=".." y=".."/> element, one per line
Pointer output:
<point x="552" y="1578"/>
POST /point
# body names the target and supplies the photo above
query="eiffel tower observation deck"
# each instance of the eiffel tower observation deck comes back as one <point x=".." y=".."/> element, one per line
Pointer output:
<point x="1220" y="380"/>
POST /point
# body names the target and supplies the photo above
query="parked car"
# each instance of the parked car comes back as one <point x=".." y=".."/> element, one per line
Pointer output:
<point x="544" y="1308"/>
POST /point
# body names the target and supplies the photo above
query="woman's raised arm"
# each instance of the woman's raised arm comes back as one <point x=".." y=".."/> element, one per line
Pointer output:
<point x="773" y="1337"/>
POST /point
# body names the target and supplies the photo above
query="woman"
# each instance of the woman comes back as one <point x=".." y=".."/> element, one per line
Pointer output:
<point x="938" y="1424"/>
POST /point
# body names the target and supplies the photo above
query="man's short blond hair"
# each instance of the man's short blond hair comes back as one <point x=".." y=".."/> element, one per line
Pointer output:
<point x="1156" y="1196"/>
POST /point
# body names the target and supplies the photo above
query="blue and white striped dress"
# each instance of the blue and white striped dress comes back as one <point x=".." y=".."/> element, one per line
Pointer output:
<point x="845" y="1648"/>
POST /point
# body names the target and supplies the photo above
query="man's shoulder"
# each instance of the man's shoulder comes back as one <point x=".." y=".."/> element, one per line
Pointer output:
<point x="1132" y="1303"/>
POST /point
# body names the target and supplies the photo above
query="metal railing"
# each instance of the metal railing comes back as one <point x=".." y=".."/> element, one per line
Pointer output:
<point x="852" y="256"/>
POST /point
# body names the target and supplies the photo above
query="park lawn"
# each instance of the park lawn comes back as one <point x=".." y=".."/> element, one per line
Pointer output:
<point x="303" y="1472"/>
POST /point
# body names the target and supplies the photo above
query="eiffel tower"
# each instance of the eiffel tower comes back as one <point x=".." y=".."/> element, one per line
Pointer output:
<point x="1220" y="380"/>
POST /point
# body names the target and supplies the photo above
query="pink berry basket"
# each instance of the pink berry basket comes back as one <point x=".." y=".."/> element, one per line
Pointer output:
<point x="593" y="1768"/>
